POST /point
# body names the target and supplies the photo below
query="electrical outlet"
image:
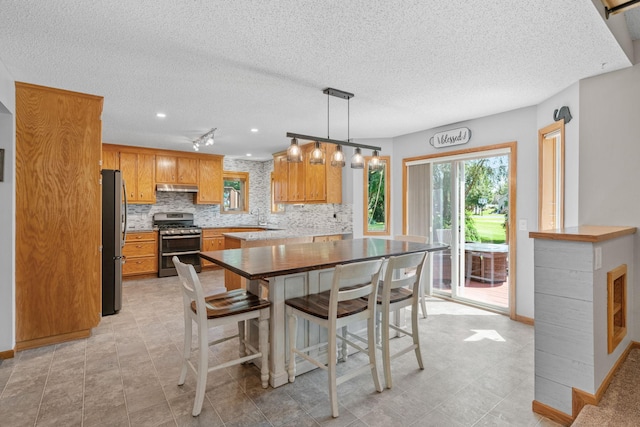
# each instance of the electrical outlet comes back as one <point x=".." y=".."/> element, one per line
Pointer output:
<point x="522" y="225"/>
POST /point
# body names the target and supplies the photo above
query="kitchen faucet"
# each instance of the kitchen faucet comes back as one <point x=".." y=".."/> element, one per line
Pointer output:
<point x="261" y="220"/>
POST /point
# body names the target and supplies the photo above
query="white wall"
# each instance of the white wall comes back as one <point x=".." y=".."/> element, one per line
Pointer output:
<point x="7" y="211"/>
<point x="569" y="97"/>
<point x="517" y="125"/>
<point x="609" y="154"/>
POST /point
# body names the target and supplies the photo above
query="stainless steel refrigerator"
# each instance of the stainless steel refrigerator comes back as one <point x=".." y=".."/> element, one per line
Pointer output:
<point x="114" y="229"/>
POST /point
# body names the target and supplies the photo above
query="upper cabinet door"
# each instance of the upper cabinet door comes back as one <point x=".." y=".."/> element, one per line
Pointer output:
<point x="210" y="182"/>
<point x="187" y="171"/>
<point x="166" y="169"/>
<point x="146" y="178"/>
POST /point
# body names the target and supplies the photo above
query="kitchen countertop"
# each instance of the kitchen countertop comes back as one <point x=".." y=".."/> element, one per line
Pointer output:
<point x="286" y="233"/>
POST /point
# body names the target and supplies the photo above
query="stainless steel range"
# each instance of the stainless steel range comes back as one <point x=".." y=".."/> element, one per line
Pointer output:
<point x="178" y="236"/>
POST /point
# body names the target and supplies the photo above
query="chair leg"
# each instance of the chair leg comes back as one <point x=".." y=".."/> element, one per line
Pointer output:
<point x="186" y="349"/>
<point x="293" y="330"/>
<point x="242" y="350"/>
<point x="386" y="356"/>
<point x="423" y="302"/>
<point x="344" y="350"/>
<point x="331" y="370"/>
<point x="263" y="347"/>
<point x="371" y="336"/>
<point x="416" y="335"/>
<point x="203" y="368"/>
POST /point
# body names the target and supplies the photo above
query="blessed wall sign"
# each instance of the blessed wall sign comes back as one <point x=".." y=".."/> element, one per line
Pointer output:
<point x="451" y="137"/>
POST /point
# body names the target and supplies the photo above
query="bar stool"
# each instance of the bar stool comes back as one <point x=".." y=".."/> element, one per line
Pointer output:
<point x="216" y="310"/>
<point x="423" y="290"/>
<point x="398" y="291"/>
<point x="352" y="298"/>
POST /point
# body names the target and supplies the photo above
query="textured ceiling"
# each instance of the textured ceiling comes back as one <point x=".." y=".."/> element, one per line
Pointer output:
<point x="242" y="64"/>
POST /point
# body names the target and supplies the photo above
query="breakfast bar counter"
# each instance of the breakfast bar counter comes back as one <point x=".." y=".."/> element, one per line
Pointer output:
<point x="293" y="270"/>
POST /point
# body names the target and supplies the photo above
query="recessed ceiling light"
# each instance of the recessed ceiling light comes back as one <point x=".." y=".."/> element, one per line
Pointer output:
<point x="254" y="130"/>
<point x="248" y="154"/>
<point x="161" y="115"/>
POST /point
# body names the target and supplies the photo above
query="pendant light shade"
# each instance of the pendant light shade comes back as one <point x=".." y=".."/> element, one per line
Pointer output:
<point x="317" y="155"/>
<point x="337" y="158"/>
<point x="357" y="161"/>
<point x="294" y="154"/>
<point x="375" y="164"/>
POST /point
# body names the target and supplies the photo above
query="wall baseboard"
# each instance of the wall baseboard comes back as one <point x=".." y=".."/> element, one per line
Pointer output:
<point x="581" y="398"/>
<point x="551" y="413"/>
<point x="8" y="354"/>
<point x="524" y="319"/>
<point x="41" y="342"/>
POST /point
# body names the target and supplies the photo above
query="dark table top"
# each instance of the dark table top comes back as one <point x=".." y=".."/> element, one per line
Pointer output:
<point x="271" y="261"/>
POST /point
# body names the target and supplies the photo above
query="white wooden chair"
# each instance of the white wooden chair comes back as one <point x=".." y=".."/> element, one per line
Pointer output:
<point x="352" y="298"/>
<point x="398" y="291"/>
<point x="423" y="289"/>
<point x="217" y="310"/>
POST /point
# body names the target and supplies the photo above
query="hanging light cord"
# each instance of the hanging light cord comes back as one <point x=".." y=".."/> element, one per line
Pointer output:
<point x="348" y="115"/>
<point x="328" y="117"/>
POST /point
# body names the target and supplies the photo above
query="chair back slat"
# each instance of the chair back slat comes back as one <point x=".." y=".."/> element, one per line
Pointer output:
<point x="354" y="292"/>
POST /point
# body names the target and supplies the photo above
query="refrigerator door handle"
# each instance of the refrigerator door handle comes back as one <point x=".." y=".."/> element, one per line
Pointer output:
<point x="124" y="230"/>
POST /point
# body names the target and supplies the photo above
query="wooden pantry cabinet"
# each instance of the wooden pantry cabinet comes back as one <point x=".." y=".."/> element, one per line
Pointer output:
<point x="141" y="254"/>
<point x="58" y="215"/>
<point x="304" y="182"/>
<point x="209" y="181"/>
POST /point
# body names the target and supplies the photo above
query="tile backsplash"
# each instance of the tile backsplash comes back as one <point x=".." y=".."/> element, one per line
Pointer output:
<point x="337" y="216"/>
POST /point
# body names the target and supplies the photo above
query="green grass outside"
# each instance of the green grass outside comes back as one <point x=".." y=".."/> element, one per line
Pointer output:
<point x="490" y="227"/>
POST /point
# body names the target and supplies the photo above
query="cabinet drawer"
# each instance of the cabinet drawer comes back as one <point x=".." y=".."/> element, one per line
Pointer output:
<point x="140" y="266"/>
<point x="141" y="236"/>
<point x="213" y="232"/>
<point x="139" y="249"/>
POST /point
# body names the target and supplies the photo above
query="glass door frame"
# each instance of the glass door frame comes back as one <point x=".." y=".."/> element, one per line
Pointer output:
<point x="510" y="149"/>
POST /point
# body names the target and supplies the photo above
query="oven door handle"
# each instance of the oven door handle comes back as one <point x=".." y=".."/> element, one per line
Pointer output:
<point x="180" y="253"/>
<point x="184" y="236"/>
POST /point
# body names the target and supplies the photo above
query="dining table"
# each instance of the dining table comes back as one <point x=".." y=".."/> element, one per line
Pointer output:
<point x="286" y="271"/>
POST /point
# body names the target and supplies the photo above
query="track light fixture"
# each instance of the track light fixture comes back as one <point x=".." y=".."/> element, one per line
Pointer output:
<point x="294" y="153"/>
<point x="206" y="139"/>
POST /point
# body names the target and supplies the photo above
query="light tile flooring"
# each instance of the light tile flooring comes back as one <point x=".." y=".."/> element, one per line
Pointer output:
<point x="478" y="372"/>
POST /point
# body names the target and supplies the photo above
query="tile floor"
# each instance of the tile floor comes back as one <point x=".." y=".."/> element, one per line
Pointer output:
<point x="478" y="372"/>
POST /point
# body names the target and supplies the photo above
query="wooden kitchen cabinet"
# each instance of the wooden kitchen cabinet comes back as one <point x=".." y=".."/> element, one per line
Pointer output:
<point x="138" y="172"/>
<point x="141" y="254"/>
<point x="304" y="182"/>
<point x="58" y="230"/>
<point x="280" y="178"/>
<point x="110" y="159"/>
<point x="209" y="181"/>
<point x="212" y="240"/>
<point x="176" y="170"/>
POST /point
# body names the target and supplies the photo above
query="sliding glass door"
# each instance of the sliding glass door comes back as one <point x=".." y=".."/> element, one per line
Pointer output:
<point x="467" y="207"/>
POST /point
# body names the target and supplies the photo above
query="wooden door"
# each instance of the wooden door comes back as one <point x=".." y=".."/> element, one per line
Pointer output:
<point x="146" y="178"/>
<point x="187" y="171"/>
<point x="58" y="215"/>
<point x="166" y="169"/>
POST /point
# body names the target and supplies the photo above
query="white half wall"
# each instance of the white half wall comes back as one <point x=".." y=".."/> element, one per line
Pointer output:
<point x="609" y="153"/>
<point x="7" y="211"/>
<point x="517" y="125"/>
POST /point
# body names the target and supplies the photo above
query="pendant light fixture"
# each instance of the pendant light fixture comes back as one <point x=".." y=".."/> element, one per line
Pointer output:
<point x="294" y="153"/>
<point x="317" y="155"/>
<point x="357" y="161"/>
<point x="375" y="164"/>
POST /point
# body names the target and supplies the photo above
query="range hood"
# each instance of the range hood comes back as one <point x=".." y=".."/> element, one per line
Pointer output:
<point x="178" y="188"/>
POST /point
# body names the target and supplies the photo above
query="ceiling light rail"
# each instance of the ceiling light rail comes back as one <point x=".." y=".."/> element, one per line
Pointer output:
<point x="206" y="139"/>
<point x="294" y="153"/>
